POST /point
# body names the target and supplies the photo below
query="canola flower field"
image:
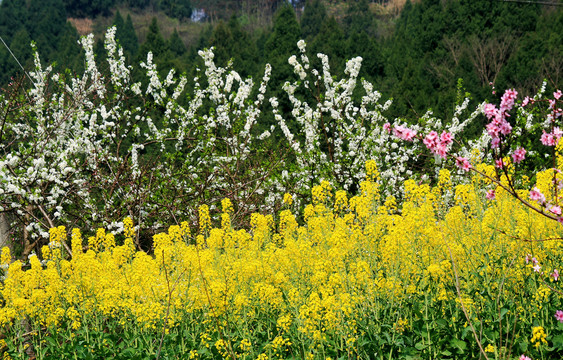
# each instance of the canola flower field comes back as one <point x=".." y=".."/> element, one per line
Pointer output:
<point x="443" y="273"/>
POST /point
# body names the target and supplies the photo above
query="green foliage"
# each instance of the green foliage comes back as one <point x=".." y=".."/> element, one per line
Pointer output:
<point x="281" y="44"/>
<point x="88" y="8"/>
<point x="176" y="45"/>
<point x="331" y="40"/>
<point x="69" y="52"/>
<point x="231" y="42"/>
<point x="13" y="16"/>
<point x="126" y="35"/>
<point x="181" y="9"/>
<point x="312" y="19"/>
<point x="154" y="42"/>
<point x="359" y="18"/>
<point x="433" y="43"/>
<point x="46" y="23"/>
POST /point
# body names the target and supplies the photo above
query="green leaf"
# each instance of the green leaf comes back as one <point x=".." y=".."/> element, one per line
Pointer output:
<point x="442" y="323"/>
<point x="503" y="312"/>
<point x="459" y="344"/>
<point x="558" y="341"/>
<point x="420" y="345"/>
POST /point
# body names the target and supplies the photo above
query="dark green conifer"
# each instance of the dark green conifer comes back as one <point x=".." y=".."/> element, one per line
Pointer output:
<point x="13" y="17"/>
<point x="330" y="41"/>
<point x="360" y="19"/>
<point x="154" y="42"/>
<point x="69" y="54"/>
<point x="312" y="19"/>
<point x="129" y="39"/>
<point x="176" y="44"/>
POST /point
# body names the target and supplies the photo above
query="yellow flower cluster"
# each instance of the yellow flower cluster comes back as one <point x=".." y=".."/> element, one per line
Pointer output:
<point x="319" y="279"/>
<point x="538" y="336"/>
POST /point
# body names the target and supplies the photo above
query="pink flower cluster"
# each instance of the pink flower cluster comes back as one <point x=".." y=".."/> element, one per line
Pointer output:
<point x="498" y="125"/>
<point x="491" y="194"/>
<point x="463" y="163"/>
<point x="554" y="209"/>
<point x="404" y="133"/>
<point x="559" y="315"/>
<point x="438" y="144"/>
<point x="529" y="258"/>
<point x="536" y="195"/>
<point x="524" y="357"/>
<point x="551" y="138"/>
<point x="518" y="155"/>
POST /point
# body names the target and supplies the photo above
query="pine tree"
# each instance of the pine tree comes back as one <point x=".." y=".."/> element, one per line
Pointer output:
<point x="69" y="53"/>
<point x="119" y="24"/>
<point x="312" y="19"/>
<point x="281" y="44"/>
<point x="330" y="41"/>
<point x="360" y="44"/>
<point x="154" y="42"/>
<point x="129" y="39"/>
<point x="222" y="41"/>
<point x="286" y="33"/>
<point x="360" y="19"/>
<point x="45" y="24"/>
<point x="20" y="47"/>
<point x="176" y="44"/>
<point x="245" y="51"/>
<point x="88" y="8"/>
<point x="13" y="17"/>
<point x="231" y="42"/>
<point x="180" y="9"/>
<point x="126" y="35"/>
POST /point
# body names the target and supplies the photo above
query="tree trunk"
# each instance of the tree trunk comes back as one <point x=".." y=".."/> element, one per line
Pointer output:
<point x="5" y="235"/>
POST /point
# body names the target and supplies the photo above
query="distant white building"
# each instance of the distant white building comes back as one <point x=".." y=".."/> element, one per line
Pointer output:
<point x="197" y="15"/>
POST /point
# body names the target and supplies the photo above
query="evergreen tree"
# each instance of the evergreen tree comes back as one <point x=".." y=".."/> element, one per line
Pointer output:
<point x="21" y="47"/>
<point x="69" y="54"/>
<point x="180" y="9"/>
<point x="222" y="41"/>
<point x="125" y="34"/>
<point x="330" y="41"/>
<point x="46" y="23"/>
<point x="360" y="44"/>
<point x="312" y="19"/>
<point x="129" y="39"/>
<point x="88" y="8"/>
<point x="360" y="19"/>
<point x="175" y="56"/>
<point x="538" y="56"/>
<point x="154" y="42"/>
<point x="244" y="50"/>
<point x="281" y="44"/>
<point x="203" y="41"/>
<point x="100" y="51"/>
<point x="118" y="23"/>
<point x="231" y="42"/>
<point x="13" y="17"/>
<point x="138" y="4"/>
<point x="176" y="44"/>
